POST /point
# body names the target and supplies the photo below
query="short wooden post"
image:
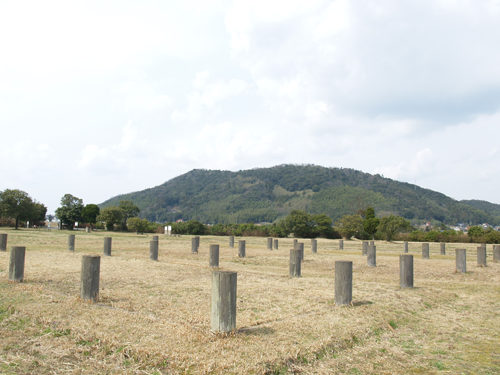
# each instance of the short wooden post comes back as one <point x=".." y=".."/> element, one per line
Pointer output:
<point x="442" y="247"/>
<point x="406" y="247"/>
<point x="365" y="247"/>
<point x="371" y="258"/>
<point x="269" y="244"/>
<point x="89" y="285"/>
<point x="241" y="248"/>
<point x="496" y="253"/>
<point x="156" y="238"/>
<point x="71" y="242"/>
<point x="425" y="250"/>
<point x="197" y="242"/>
<point x="153" y="250"/>
<point x="3" y="241"/>
<point x="16" y="263"/>
<point x="372" y="243"/>
<point x="294" y="263"/>
<point x="481" y="256"/>
<point x="231" y="241"/>
<point x="300" y="246"/>
<point x="406" y="271"/>
<point x="341" y="244"/>
<point x="214" y="256"/>
<point x="107" y="246"/>
<point x="223" y="316"/>
<point x="87" y="229"/>
<point x="343" y="282"/>
<point x="461" y="260"/>
<point x="276" y="244"/>
<point x="194" y="245"/>
<point x="314" y="246"/>
<point x="294" y="242"/>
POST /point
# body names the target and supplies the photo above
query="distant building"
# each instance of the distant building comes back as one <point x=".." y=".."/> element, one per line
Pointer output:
<point x="179" y="221"/>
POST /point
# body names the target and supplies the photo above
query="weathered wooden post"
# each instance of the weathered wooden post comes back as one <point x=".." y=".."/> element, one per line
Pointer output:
<point x="481" y="256"/>
<point x="372" y="256"/>
<point x="107" y="246"/>
<point x="372" y="243"/>
<point x="341" y="244"/>
<point x="294" y="242"/>
<point x="3" y="241"/>
<point x="425" y="250"/>
<point x="406" y="247"/>
<point x="71" y="242"/>
<point x="87" y="229"/>
<point x="294" y="263"/>
<point x="156" y="238"/>
<point x="276" y="244"/>
<point x="442" y="247"/>
<point x="461" y="260"/>
<point x="314" y="246"/>
<point x="300" y="246"/>
<point x="406" y="271"/>
<point x="89" y="285"/>
<point x="496" y="253"/>
<point x="241" y="248"/>
<point x="153" y="250"/>
<point x="214" y="256"/>
<point x="223" y="316"/>
<point x="197" y="243"/>
<point x="269" y="244"/>
<point x="194" y="245"/>
<point x="16" y="263"/>
<point x="365" y="247"/>
<point x="343" y="282"/>
<point x="231" y="241"/>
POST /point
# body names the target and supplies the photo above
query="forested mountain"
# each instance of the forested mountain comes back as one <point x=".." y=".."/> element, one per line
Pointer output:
<point x="491" y="208"/>
<point x="267" y="194"/>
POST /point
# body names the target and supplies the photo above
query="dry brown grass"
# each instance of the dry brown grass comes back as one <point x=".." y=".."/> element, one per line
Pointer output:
<point x="153" y="317"/>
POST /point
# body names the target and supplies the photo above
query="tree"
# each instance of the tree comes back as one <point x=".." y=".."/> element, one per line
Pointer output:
<point x="390" y="225"/>
<point x="129" y="210"/>
<point x="349" y="225"/>
<point x="111" y="216"/>
<point x="323" y="225"/>
<point x="90" y="213"/>
<point x="300" y="223"/>
<point x="38" y="213"/>
<point x="70" y="210"/>
<point x="371" y="223"/>
<point x="16" y="204"/>
<point x="138" y="225"/>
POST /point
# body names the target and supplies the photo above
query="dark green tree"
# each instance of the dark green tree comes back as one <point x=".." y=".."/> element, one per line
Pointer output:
<point x="129" y="210"/>
<point x="70" y="210"/>
<point x="390" y="225"/>
<point x="111" y="216"/>
<point x="16" y="204"/>
<point x="349" y="225"/>
<point x="38" y="213"/>
<point x="90" y="213"/>
<point x="300" y="223"/>
<point x="371" y="223"/>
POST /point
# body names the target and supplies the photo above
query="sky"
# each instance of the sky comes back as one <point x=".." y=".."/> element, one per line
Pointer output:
<point x="101" y="98"/>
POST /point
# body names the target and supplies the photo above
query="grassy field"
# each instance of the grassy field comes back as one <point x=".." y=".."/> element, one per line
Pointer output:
<point x="154" y="317"/>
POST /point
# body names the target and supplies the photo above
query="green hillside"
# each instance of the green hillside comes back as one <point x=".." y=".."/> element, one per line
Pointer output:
<point x="491" y="208"/>
<point x="267" y="194"/>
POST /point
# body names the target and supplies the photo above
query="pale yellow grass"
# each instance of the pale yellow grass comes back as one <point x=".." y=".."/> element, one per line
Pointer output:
<point x="154" y="317"/>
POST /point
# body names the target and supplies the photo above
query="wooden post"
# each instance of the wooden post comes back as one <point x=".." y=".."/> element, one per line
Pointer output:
<point x="371" y="259"/>
<point x="89" y="285"/>
<point x="314" y="246"/>
<point x="294" y="263"/>
<point x="425" y="250"/>
<point x="406" y="271"/>
<point x="365" y="247"/>
<point x="481" y="256"/>
<point x="442" y="246"/>
<point x="294" y="242"/>
<point x="231" y="241"/>
<point x="194" y="245"/>
<point x="341" y="244"/>
<point x="496" y="253"/>
<point x="87" y="229"/>
<point x="406" y="247"/>
<point x="461" y="260"/>
<point x="343" y="282"/>
<point x="156" y="238"/>
<point x="153" y="250"/>
<point x="300" y="246"/>
<point x="3" y="241"/>
<point x="214" y="256"/>
<point x="197" y="243"/>
<point x="16" y="263"/>
<point x="269" y="244"/>
<point x="276" y="244"/>
<point x="372" y="243"/>
<point x="241" y="249"/>
<point x="223" y="317"/>
<point x="71" y="242"/>
<point x="107" y="246"/>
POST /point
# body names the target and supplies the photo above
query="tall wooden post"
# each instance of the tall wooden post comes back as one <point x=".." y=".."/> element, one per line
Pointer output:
<point x="365" y="247"/>
<point x="153" y="250"/>
<point x="300" y="246"/>
<point x="214" y="256"/>
<point x="241" y="248"/>
<point x="194" y="245"/>
<point x="371" y="258"/>
<point x="197" y="243"/>
<point x="223" y="307"/>
<point x="276" y="244"/>
<point x="3" y="241"/>
<point x="295" y="263"/>
<point x="496" y="253"/>
<point x="71" y="242"/>
<point x="16" y="263"/>
<point x="343" y="282"/>
<point x="425" y="250"/>
<point x="406" y="247"/>
<point x="442" y="247"/>
<point x="372" y="243"/>
<point x="461" y="260"/>
<point x="107" y="246"/>
<point x="406" y="271"/>
<point x="89" y="284"/>
<point x="87" y="229"/>
<point x="481" y="256"/>
<point x="269" y="244"/>
<point x="341" y="244"/>
<point x="314" y="246"/>
<point x="294" y="242"/>
<point x="231" y="241"/>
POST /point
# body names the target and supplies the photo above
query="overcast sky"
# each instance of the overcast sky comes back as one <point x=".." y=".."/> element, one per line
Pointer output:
<point x="100" y="98"/>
